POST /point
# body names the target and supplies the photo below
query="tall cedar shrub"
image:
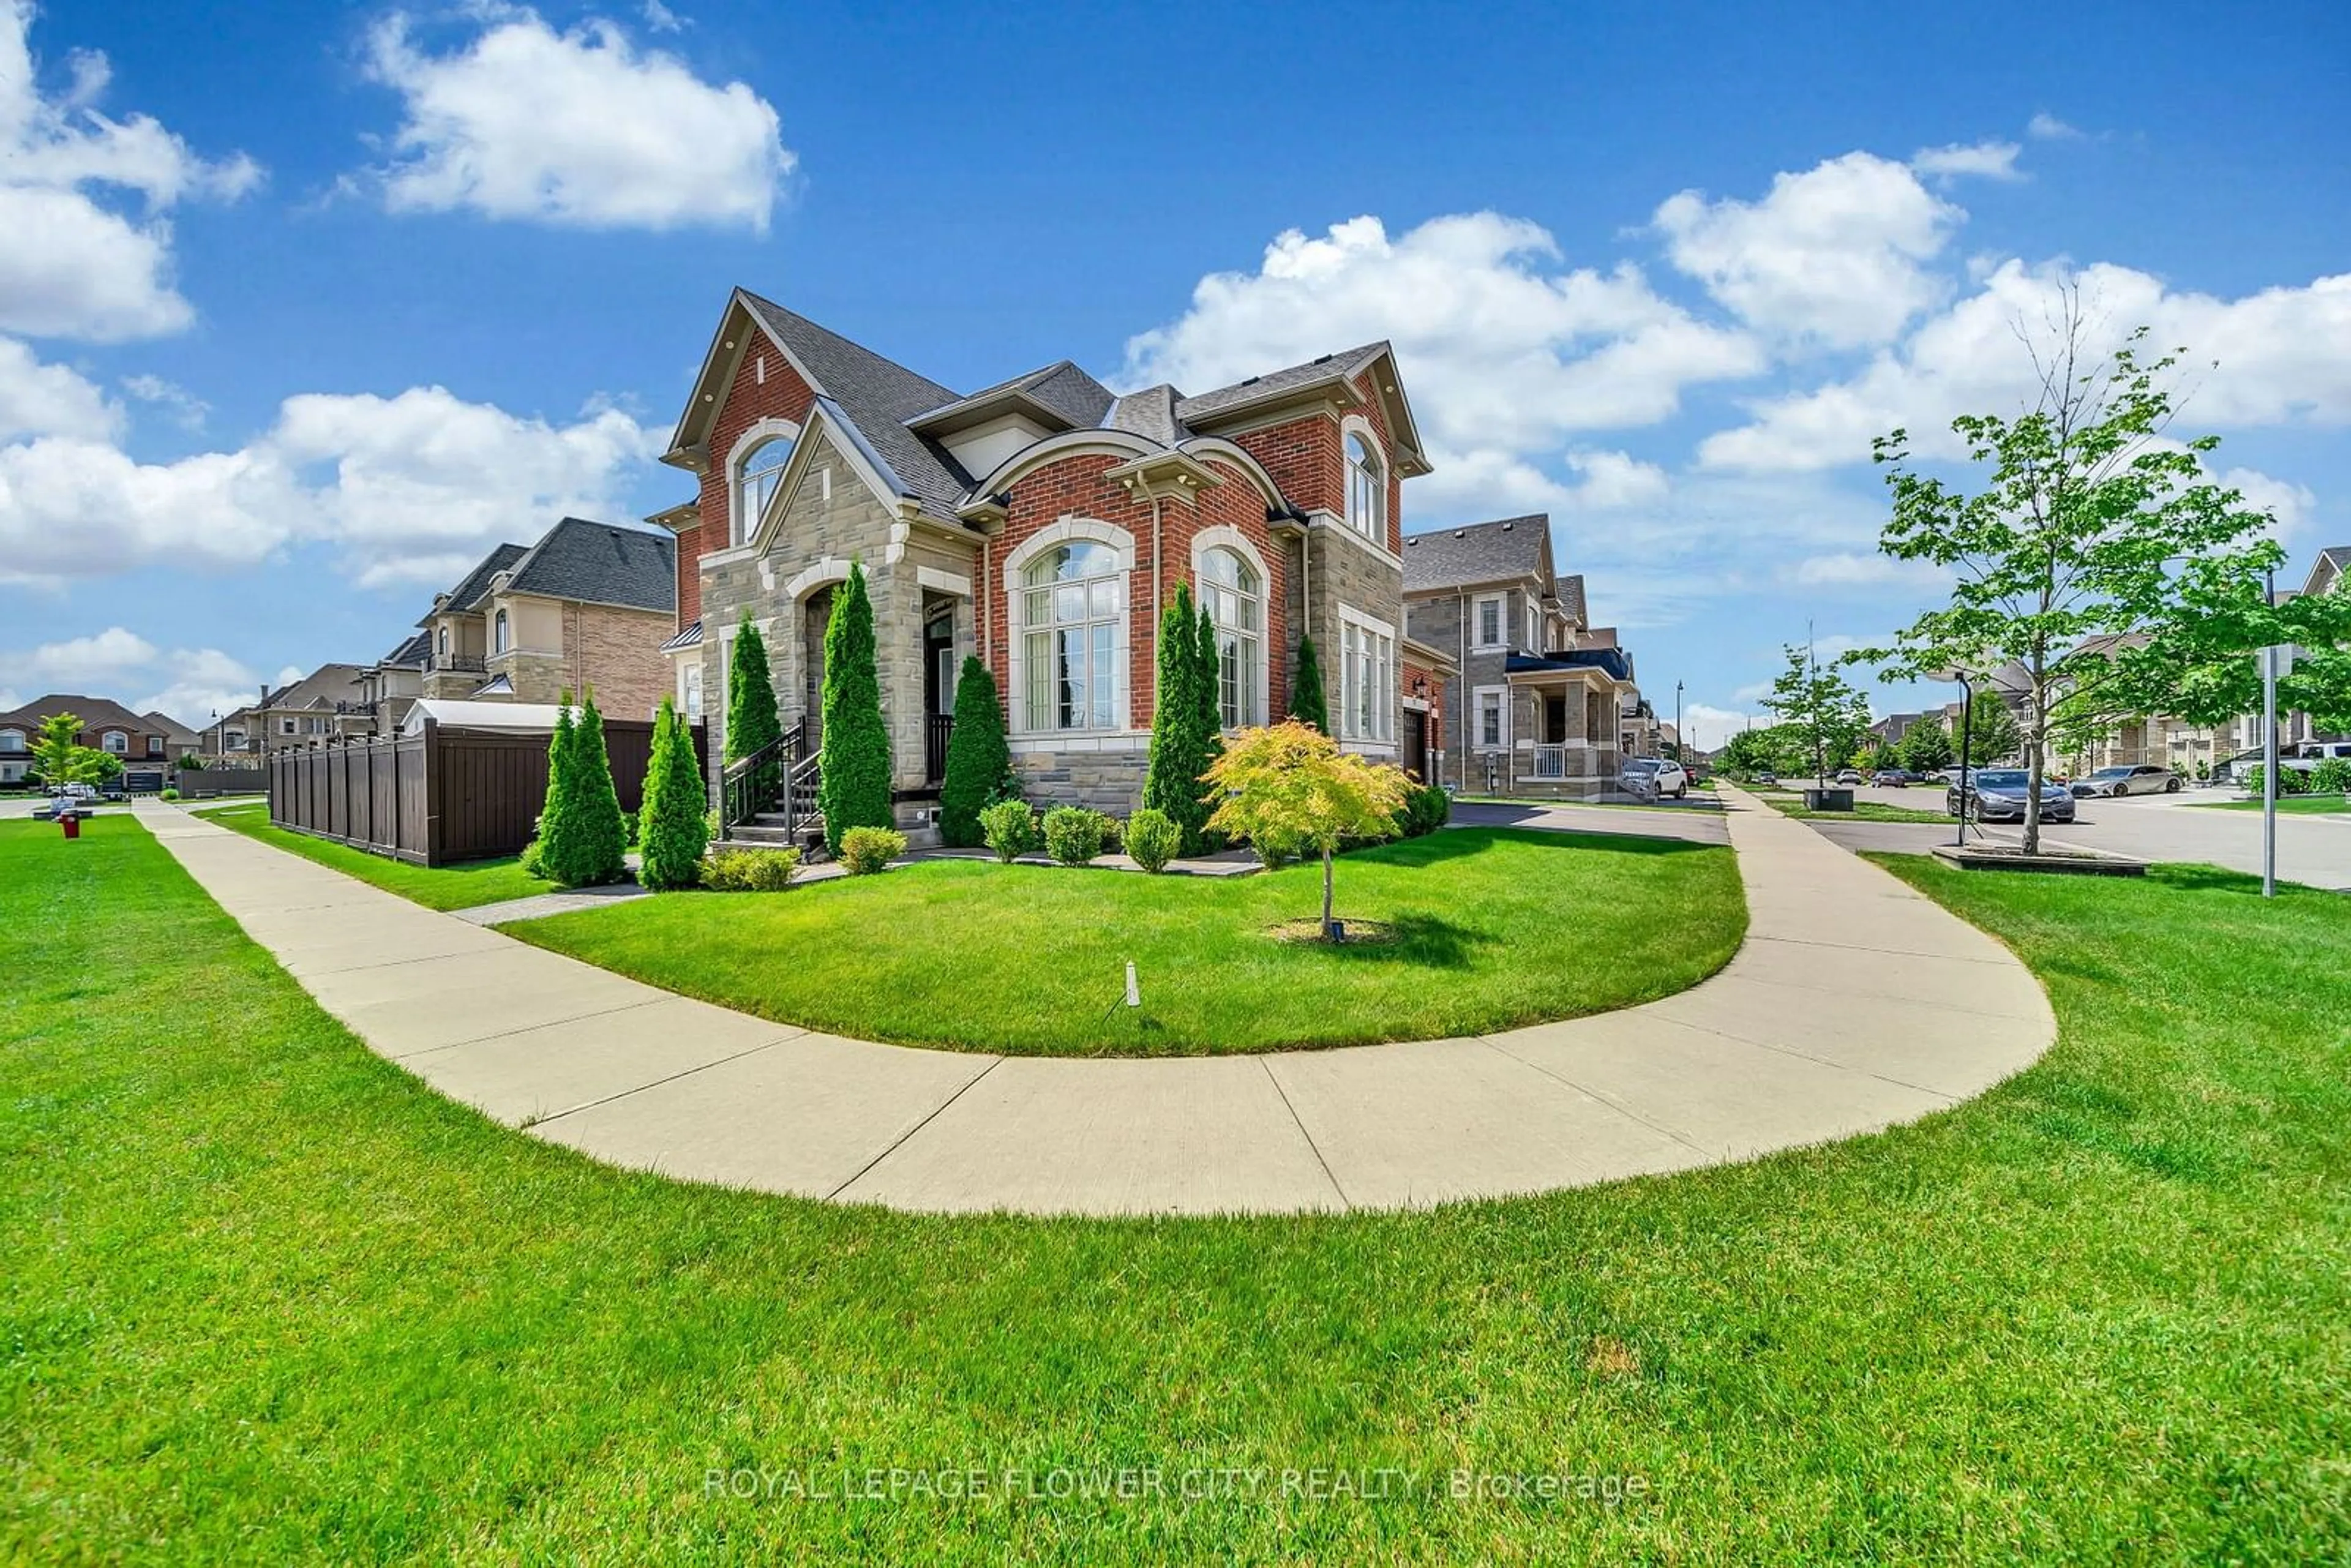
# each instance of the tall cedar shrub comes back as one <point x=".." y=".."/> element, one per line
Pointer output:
<point x="670" y="827"/>
<point x="979" y="759"/>
<point x="853" y="790"/>
<point x="1180" y="751"/>
<point x="1210" y="722"/>
<point x="554" y="813"/>
<point x="597" y="846"/>
<point x="1306" y="704"/>
<point x="752" y="720"/>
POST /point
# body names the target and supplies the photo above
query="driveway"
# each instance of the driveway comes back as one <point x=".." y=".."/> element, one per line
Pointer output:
<point x="1695" y="823"/>
<point x="2312" y="850"/>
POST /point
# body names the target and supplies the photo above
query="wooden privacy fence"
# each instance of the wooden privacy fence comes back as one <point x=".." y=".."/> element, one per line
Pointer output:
<point x="440" y="796"/>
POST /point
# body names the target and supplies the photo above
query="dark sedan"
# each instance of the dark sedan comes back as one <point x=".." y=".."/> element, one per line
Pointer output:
<point x="1999" y="797"/>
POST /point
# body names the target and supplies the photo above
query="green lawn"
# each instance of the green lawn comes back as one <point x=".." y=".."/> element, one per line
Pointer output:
<point x="264" y="1298"/>
<point x="2299" y="805"/>
<point x="1862" y="811"/>
<point x="435" y="887"/>
<point x="1498" y="927"/>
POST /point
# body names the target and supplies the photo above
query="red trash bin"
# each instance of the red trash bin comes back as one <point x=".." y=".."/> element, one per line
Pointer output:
<point x="71" y="823"/>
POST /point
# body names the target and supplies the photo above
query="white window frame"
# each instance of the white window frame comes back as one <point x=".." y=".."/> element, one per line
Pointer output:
<point x="286" y="727"/>
<point x="11" y="740"/>
<point x="1367" y="678"/>
<point x="1478" y="603"/>
<point x="1501" y="741"/>
<point x="743" y="522"/>
<point x="1015" y="578"/>
<point x="115" y="743"/>
<point x="1366" y="484"/>
<point x="1258" y="640"/>
<point x="501" y="633"/>
<point x="689" y="686"/>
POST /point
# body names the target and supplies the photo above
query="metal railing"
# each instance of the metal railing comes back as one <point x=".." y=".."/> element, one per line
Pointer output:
<point x="1551" y="762"/>
<point x="462" y="663"/>
<point x="938" y="729"/>
<point x="778" y="778"/>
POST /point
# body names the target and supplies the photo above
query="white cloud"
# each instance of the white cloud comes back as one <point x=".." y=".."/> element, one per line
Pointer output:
<point x="1613" y="479"/>
<point x="1982" y="160"/>
<point x="411" y="488"/>
<point x="1837" y="256"/>
<point x="187" y="683"/>
<point x="186" y="409"/>
<point x="1506" y="352"/>
<point x="2283" y="356"/>
<point x="579" y="129"/>
<point x="660" y="18"/>
<point x="70" y="266"/>
<point x="1710" y="726"/>
<point x="2047" y="126"/>
<point x="37" y="399"/>
<point x="1856" y="568"/>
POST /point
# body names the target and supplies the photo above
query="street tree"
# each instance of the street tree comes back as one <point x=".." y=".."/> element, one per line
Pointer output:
<point x="1826" y="715"/>
<point x="2087" y="529"/>
<point x="1289" y="789"/>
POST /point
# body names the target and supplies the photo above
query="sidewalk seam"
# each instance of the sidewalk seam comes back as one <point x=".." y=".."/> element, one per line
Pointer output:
<point x="900" y="1141"/>
<point x="1265" y="1060"/>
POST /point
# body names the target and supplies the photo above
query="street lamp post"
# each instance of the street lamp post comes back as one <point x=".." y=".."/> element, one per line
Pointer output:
<point x="1681" y="747"/>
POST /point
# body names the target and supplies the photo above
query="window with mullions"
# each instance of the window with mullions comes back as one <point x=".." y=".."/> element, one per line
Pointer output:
<point x="1073" y="620"/>
<point x="1234" y="596"/>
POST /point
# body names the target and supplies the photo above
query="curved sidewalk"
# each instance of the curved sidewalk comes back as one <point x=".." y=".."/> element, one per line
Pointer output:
<point x="1855" y="1004"/>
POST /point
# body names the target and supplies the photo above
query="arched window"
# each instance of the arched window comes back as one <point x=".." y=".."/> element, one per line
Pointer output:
<point x="499" y="633"/>
<point x="755" y="484"/>
<point x="1073" y="620"/>
<point x="1367" y="489"/>
<point x="443" y="642"/>
<point x="1234" y="596"/>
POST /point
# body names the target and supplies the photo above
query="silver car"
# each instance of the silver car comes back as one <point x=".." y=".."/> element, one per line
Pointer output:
<point x="2146" y="779"/>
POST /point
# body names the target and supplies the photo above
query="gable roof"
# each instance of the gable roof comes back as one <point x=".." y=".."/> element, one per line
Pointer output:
<point x="1571" y="599"/>
<point x="94" y="713"/>
<point x="475" y="586"/>
<point x="411" y="654"/>
<point x="879" y="396"/>
<point x="322" y="687"/>
<point x="1061" y="391"/>
<point x="599" y="563"/>
<point x="1498" y="551"/>
<point x="157" y="719"/>
<point x="2337" y="559"/>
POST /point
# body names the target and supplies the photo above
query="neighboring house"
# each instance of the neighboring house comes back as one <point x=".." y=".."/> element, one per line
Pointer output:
<point x="393" y="684"/>
<point x="1539" y="702"/>
<point x="1889" y="730"/>
<point x="1041" y="524"/>
<point x="589" y="606"/>
<point x="147" y="743"/>
<point x="323" y="706"/>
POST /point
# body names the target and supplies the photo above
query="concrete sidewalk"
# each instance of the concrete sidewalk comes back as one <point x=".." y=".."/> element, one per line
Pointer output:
<point x="1855" y="1004"/>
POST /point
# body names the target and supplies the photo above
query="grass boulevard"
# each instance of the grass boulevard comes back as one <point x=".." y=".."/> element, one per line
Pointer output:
<point x="1492" y="928"/>
<point x="266" y="1298"/>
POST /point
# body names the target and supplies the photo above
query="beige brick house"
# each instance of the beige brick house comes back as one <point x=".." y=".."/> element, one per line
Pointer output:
<point x="586" y="608"/>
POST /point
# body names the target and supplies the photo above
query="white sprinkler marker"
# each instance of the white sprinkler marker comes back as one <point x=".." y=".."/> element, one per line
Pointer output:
<point x="1134" y="991"/>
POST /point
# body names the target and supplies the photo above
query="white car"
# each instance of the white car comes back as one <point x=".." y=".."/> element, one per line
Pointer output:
<point x="2147" y="779"/>
<point x="1656" y="776"/>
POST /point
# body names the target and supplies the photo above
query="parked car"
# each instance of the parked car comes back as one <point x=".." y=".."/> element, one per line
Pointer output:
<point x="1998" y="795"/>
<point x="1656" y="776"/>
<point x="2145" y="778"/>
<point x="1849" y="776"/>
<point x="1894" y="777"/>
<point x="2306" y="757"/>
<point x="56" y="806"/>
<point x="83" y="792"/>
<point x="1766" y="779"/>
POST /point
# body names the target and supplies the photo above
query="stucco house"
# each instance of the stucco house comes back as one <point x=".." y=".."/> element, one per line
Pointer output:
<point x="1041" y="524"/>
<point x="590" y="605"/>
<point x="1541" y="703"/>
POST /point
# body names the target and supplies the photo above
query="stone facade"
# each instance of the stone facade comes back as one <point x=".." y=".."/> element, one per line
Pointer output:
<point x="603" y="648"/>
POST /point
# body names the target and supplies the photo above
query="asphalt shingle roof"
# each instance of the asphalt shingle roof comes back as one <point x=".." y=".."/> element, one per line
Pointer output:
<point x="599" y="563"/>
<point x="413" y="653"/>
<point x="1476" y="552"/>
<point x="1571" y="597"/>
<point x="94" y="713"/>
<point x="1348" y="362"/>
<point x="474" y="585"/>
<point x="1150" y="413"/>
<point x="880" y="396"/>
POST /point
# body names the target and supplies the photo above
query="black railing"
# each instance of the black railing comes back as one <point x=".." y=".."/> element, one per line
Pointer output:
<point x="464" y="663"/>
<point x="760" y="784"/>
<point x="938" y="728"/>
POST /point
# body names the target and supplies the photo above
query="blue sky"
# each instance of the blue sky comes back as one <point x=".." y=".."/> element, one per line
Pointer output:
<point x="304" y="306"/>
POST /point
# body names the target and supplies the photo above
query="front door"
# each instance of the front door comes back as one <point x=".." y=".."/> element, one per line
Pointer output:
<point x="1415" y="744"/>
<point x="815" y="617"/>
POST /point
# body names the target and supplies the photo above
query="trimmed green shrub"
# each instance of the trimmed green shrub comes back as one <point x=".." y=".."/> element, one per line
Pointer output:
<point x="2332" y="777"/>
<point x="750" y="871"/>
<point x="1427" y="808"/>
<point x="170" y="795"/>
<point x="752" y="719"/>
<point x="1151" y="839"/>
<point x="191" y="763"/>
<point x="979" y="759"/>
<point x="1183" y="742"/>
<point x="670" y="823"/>
<point x="2291" y="781"/>
<point x="1008" y="828"/>
<point x="555" y="810"/>
<point x="1306" y="704"/>
<point x="865" y="851"/>
<point x="1073" y="835"/>
<point x="853" y="785"/>
<point x="533" y="860"/>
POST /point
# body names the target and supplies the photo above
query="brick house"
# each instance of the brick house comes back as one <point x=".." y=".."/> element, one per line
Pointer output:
<point x="146" y="744"/>
<point x="589" y="606"/>
<point x="1539" y="702"/>
<point x="1041" y="524"/>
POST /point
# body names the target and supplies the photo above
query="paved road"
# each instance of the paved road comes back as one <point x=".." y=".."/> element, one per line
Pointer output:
<point x="2315" y="850"/>
<point x="1698" y="824"/>
<point x="1855" y="1004"/>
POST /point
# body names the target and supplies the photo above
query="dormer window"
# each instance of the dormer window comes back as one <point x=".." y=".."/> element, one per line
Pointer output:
<point x="499" y="633"/>
<point x="761" y="470"/>
<point x="1367" y="489"/>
